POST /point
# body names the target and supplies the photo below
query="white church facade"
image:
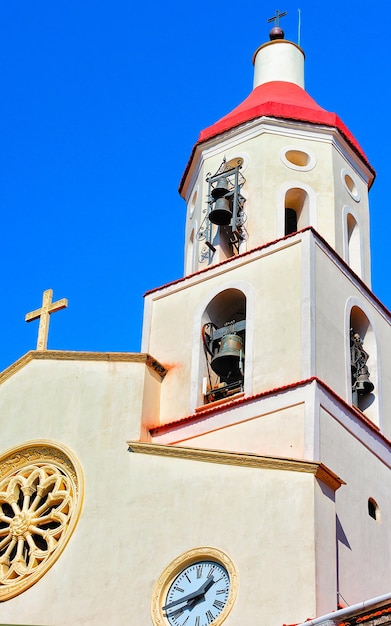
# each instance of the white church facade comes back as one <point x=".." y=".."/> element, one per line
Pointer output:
<point x="241" y="474"/>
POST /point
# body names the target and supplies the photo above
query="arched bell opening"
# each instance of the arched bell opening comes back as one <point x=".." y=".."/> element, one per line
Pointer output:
<point x="296" y="210"/>
<point x="353" y="244"/>
<point x="363" y="364"/>
<point x="223" y="338"/>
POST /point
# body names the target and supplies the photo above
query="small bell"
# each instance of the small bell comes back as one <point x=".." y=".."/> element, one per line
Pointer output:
<point x="363" y="384"/>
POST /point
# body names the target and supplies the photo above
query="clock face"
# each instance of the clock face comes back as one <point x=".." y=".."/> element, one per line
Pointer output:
<point x="197" y="595"/>
<point x="198" y="588"/>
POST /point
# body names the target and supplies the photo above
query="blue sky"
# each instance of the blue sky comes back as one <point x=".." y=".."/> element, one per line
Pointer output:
<point x="101" y="104"/>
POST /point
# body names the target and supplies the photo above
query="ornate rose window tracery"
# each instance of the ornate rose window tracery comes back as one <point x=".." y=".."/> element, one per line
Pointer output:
<point x="41" y="493"/>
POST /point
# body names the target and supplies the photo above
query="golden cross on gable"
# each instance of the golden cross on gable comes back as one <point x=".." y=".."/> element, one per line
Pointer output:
<point x="43" y="314"/>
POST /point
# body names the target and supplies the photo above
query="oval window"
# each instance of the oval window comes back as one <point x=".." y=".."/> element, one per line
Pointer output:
<point x="350" y="185"/>
<point x="297" y="159"/>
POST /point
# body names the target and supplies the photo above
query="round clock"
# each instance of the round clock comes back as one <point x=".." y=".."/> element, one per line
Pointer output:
<point x="197" y="589"/>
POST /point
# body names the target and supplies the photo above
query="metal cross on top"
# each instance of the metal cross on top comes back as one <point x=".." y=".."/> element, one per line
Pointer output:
<point x="276" y="18"/>
<point x="43" y="314"/>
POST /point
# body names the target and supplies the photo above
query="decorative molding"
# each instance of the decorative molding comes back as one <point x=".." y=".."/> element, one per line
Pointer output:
<point x="297" y="129"/>
<point x="68" y="355"/>
<point x="319" y="470"/>
<point x="41" y="497"/>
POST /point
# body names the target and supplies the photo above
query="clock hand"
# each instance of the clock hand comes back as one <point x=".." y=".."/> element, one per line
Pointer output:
<point x="191" y="603"/>
<point x="191" y="596"/>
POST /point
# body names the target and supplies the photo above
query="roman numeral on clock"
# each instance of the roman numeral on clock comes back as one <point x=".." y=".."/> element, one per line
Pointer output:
<point x="218" y="604"/>
<point x="177" y="613"/>
<point x="220" y="591"/>
<point x="210" y="616"/>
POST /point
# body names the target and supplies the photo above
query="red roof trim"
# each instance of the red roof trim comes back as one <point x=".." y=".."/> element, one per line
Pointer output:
<point x="196" y="417"/>
<point x="331" y="250"/>
<point x="238" y="256"/>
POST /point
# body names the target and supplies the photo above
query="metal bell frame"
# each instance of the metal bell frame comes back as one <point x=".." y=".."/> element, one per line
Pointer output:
<point x="234" y="181"/>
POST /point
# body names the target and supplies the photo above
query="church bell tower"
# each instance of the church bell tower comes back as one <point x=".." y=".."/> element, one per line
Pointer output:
<point x="275" y="350"/>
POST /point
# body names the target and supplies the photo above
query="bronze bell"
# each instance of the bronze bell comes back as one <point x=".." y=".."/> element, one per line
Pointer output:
<point x="363" y="384"/>
<point x="221" y="188"/>
<point x="227" y="363"/>
<point x="221" y="213"/>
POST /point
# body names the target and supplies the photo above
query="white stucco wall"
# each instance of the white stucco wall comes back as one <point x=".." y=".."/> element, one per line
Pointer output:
<point x="336" y="293"/>
<point x="271" y="281"/>
<point x="142" y="511"/>
<point x="363" y="543"/>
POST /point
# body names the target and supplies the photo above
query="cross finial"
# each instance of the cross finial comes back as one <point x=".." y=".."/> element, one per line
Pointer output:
<point x="276" y="17"/>
<point x="43" y="314"/>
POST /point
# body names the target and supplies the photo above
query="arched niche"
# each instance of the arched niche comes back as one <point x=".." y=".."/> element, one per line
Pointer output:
<point x="352" y="241"/>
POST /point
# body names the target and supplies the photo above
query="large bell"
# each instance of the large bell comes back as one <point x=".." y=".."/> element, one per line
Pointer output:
<point x="228" y="362"/>
<point x="221" y="213"/>
<point x="363" y="384"/>
<point x="221" y="188"/>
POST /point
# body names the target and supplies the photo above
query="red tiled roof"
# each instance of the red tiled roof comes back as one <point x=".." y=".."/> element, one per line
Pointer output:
<point x="284" y="100"/>
<point x="373" y="616"/>
<point x="280" y="99"/>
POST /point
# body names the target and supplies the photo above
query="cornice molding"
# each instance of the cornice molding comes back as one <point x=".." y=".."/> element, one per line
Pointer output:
<point x="320" y="471"/>
<point x="68" y="355"/>
<point x="266" y="123"/>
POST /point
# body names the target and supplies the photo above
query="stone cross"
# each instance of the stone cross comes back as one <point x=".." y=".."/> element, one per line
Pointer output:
<point x="43" y="314"/>
<point x="276" y="18"/>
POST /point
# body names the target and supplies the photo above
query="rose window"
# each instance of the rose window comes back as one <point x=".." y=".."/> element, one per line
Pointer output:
<point x="40" y="502"/>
